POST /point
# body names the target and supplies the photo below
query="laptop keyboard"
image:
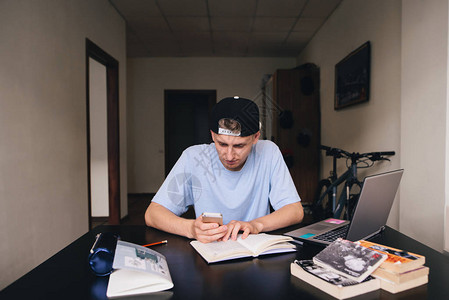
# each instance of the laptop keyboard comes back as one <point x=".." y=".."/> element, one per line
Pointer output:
<point x="332" y="235"/>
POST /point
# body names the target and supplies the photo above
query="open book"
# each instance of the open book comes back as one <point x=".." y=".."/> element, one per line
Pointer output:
<point x="254" y="245"/>
<point x="138" y="270"/>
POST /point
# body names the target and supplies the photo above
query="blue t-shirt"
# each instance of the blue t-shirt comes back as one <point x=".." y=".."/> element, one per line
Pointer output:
<point x="200" y="179"/>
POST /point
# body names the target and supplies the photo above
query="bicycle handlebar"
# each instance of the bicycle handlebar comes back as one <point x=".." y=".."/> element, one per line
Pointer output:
<point x="354" y="156"/>
<point x="388" y="153"/>
<point x="334" y="151"/>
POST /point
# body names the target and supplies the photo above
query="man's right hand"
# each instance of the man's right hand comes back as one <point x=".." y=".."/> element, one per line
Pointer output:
<point x="157" y="216"/>
<point x="207" y="232"/>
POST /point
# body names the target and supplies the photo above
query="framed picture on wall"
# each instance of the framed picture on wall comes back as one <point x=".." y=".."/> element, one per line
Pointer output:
<point x="352" y="77"/>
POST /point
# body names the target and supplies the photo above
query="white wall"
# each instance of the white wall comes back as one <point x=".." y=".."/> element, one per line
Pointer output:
<point x="423" y="124"/>
<point x="374" y="125"/>
<point x="446" y="214"/>
<point x="147" y="80"/>
<point x="407" y="107"/>
<point x="43" y="156"/>
<point x="99" y="185"/>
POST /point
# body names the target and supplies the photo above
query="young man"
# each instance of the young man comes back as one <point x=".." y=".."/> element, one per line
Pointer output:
<point x="237" y="175"/>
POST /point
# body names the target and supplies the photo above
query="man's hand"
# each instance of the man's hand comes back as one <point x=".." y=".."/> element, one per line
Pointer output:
<point x="234" y="227"/>
<point x="207" y="232"/>
<point x="285" y="216"/>
<point x="161" y="218"/>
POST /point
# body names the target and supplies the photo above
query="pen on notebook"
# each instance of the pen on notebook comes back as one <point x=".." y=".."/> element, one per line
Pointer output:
<point x="157" y="243"/>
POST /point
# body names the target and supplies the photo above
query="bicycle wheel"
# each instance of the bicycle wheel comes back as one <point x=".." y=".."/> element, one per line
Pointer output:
<point x="322" y="206"/>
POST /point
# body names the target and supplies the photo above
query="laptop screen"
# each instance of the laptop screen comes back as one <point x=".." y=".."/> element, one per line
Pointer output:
<point x="374" y="205"/>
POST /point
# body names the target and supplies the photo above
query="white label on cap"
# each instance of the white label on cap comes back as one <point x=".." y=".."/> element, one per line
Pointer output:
<point x="228" y="132"/>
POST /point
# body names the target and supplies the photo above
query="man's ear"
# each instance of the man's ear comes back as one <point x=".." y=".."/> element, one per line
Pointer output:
<point x="256" y="137"/>
<point x="212" y="135"/>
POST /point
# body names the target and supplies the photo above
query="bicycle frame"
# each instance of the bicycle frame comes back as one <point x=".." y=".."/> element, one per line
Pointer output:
<point x="346" y="201"/>
<point x="350" y="178"/>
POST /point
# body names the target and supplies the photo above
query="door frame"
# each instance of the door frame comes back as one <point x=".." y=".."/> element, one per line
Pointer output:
<point x="212" y="100"/>
<point x="113" y="144"/>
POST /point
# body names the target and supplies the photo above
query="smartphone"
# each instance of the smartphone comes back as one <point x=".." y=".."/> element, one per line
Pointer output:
<point x="212" y="218"/>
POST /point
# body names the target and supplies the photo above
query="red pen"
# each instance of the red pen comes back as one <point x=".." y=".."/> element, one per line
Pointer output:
<point x="157" y="243"/>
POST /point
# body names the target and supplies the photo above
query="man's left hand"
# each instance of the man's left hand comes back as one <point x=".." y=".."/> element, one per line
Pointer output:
<point x="234" y="227"/>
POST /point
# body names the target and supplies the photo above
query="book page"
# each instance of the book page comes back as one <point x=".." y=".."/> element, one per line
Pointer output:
<point x="258" y="243"/>
<point x="220" y="250"/>
<point x="279" y="248"/>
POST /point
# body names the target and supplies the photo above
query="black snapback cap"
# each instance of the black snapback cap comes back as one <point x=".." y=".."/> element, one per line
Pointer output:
<point x="235" y="116"/>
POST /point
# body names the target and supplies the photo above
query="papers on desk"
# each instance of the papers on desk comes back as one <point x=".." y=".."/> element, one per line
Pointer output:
<point x="138" y="270"/>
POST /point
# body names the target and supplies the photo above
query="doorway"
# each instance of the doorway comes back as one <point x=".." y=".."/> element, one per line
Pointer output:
<point x="110" y="168"/>
<point x="99" y="190"/>
<point x="186" y="121"/>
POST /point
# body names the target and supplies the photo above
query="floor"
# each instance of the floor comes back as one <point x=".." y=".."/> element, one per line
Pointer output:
<point x="137" y="204"/>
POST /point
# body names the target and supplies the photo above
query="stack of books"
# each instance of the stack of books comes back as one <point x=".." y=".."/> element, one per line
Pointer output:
<point x="346" y="269"/>
<point x="341" y="270"/>
<point x="401" y="270"/>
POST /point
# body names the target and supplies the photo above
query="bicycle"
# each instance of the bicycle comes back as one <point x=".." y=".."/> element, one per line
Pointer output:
<point x="326" y="204"/>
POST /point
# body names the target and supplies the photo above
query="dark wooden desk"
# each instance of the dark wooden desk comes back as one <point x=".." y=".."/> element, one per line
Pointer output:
<point x="66" y="275"/>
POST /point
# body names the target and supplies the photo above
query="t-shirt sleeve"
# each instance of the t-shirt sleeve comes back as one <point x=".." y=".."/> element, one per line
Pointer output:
<point x="282" y="187"/>
<point x="175" y="193"/>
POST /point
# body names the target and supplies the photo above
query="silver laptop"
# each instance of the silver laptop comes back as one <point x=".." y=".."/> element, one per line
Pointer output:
<point x="370" y="216"/>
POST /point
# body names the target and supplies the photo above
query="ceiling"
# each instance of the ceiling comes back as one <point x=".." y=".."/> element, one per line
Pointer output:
<point x="221" y="28"/>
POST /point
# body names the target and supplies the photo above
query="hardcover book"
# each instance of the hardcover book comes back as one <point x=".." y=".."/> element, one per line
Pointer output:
<point x="331" y="282"/>
<point x="349" y="259"/>
<point x="254" y="245"/>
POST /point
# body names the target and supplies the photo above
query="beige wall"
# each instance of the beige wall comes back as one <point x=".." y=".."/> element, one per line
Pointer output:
<point x="147" y="80"/>
<point x="99" y="185"/>
<point x="423" y="119"/>
<point x="371" y="126"/>
<point x="407" y="107"/>
<point x="43" y="157"/>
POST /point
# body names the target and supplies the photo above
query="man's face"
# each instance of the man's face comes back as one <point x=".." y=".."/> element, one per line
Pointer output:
<point x="234" y="150"/>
